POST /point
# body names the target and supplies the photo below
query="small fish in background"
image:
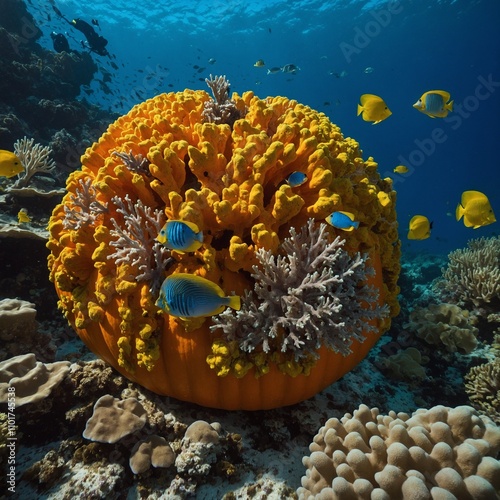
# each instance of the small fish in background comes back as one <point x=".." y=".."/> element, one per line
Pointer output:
<point x="274" y="70"/>
<point x="296" y="179"/>
<point x="189" y="296"/>
<point x="212" y="61"/>
<point x="342" y="74"/>
<point x="181" y="236"/>
<point x="373" y="108"/>
<point x="476" y="210"/>
<point x="22" y="216"/>
<point x="10" y="164"/>
<point x="342" y="220"/>
<point x="368" y="70"/>
<point x="435" y="104"/>
<point x="260" y="63"/>
<point x="401" y="169"/>
<point x="290" y="68"/>
<point x="419" y="228"/>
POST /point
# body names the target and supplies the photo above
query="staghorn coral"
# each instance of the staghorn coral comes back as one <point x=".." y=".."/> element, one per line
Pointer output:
<point x="229" y="181"/>
<point x="472" y="276"/>
<point x="137" y="164"/>
<point x="430" y="454"/>
<point x="136" y="244"/>
<point x="310" y="294"/>
<point x="86" y="207"/>
<point x="35" y="159"/>
<point x="221" y="109"/>
<point x="482" y="384"/>
<point x="444" y="324"/>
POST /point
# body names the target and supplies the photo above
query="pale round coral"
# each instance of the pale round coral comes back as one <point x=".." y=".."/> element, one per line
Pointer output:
<point x="441" y="453"/>
<point x="414" y="488"/>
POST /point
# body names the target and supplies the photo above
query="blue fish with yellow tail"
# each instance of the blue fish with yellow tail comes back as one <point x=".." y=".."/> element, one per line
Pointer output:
<point x="189" y="296"/>
<point x="296" y="179"/>
<point x="181" y="236"/>
<point x="342" y="220"/>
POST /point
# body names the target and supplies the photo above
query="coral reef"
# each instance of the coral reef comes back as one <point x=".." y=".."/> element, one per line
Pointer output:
<point x="228" y="179"/>
<point x="482" y="384"/>
<point x="19" y="331"/>
<point x="444" y="324"/>
<point x="152" y="451"/>
<point x="221" y="109"/>
<point x="35" y="160"/>
<point x="431" y="453"/>
<point x="39" y="90"/>
<point x="407" y="365"/>
<point x="31" y="379"/>
<point x="472" y="276"/>
<point x="114" y="419"/>
<point x="199" y="448"/>
<point x="307" y="296"/>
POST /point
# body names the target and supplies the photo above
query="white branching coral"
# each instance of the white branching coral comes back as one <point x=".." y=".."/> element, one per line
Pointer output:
<point x="135" y="240"/>
<point x="220" y="109"/>
<point x="34" y="158"/>
<point x="312" y="294"/>
<point x="85" y="209"/>
<point x="137" y="164"/>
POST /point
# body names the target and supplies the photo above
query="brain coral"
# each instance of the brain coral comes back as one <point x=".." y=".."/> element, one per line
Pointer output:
<point x="444" y="453"/>
<point x="221" y="164"/>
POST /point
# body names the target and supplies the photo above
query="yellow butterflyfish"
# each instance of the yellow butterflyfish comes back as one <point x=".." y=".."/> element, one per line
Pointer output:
<point x="373" y="108"/>
<point x="401" y="169"/>
<point x="10" y="164"/>
<point x="476" y="210"/>
<point x="419" y="228"/>
<point x="22" y="216"/>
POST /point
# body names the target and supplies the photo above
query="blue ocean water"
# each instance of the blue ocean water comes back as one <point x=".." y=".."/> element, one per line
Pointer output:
<point x="412" y="46"/>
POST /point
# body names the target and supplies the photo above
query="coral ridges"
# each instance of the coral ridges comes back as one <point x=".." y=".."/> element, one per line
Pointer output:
<point x="229" y="181"/>
<point x="437" y="453"/>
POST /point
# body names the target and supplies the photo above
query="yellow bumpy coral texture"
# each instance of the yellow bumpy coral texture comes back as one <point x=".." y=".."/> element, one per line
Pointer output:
<point x="165" y="160"/>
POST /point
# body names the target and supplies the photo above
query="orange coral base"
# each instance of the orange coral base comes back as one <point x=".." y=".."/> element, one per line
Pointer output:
<point x="182" y="371"/>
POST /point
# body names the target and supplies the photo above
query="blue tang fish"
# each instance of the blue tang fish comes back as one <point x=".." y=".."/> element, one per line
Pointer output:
<point x="189" y="296"/>
<point x="296" y="179"/>
<point x="181" y="236"/>
<point x="342" y="220"/>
